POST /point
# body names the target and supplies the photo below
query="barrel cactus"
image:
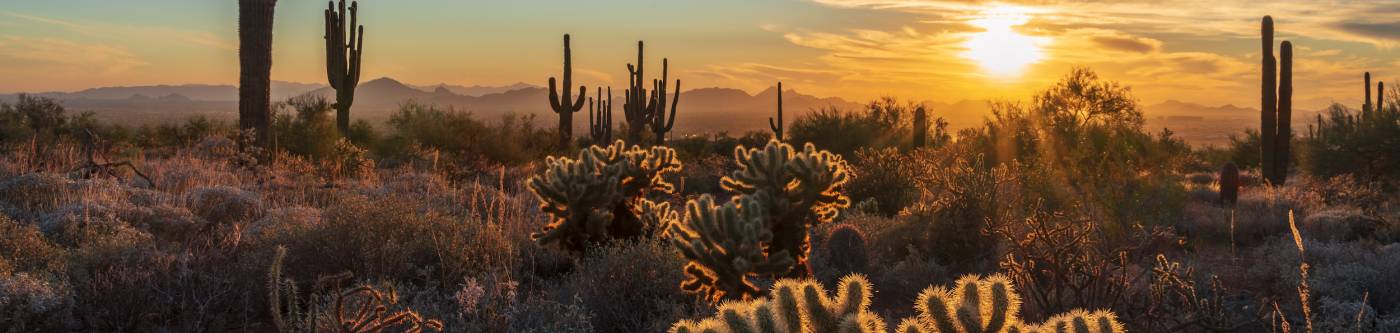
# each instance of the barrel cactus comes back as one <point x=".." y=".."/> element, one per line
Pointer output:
<point x="602" y="194"/>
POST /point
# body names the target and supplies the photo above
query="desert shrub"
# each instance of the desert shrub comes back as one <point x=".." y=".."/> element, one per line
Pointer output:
<point x="883" y="175"/>
<point x="192" y="132"/>
<point x="513" y="140"/>
<point x="224" y="205"/>
<point x="883" y="123"/>
<point x="34" y="193"/>
<point x="841" y="252"/>
<point x="1342" y="271"/>
<point x="1063" y="262"/>
<point x="305" y="126"/>
<point x="964" y="200"/>
<point x="1365" y="144"/>
<point x="366" y="308"/>
<point x="629" y="287"/>
<point x="24" y="249"/>
<point x="1084" y="136"/>
<point x="30" y="302"/>
<point x="40" y="119"/>
<point x="1244" y="151"/>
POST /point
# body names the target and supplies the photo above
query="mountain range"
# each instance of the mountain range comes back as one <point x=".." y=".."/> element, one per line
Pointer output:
<point x="702" y="110"/>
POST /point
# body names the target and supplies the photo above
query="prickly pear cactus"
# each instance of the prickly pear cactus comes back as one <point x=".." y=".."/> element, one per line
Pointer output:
<point x="602" y="194"/>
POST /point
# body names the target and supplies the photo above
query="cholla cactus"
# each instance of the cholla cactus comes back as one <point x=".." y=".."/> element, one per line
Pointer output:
<point x="991" y="305"/>
<point x="1080" y="321"/>
<point x="799" y="190"/>
<point x="600" y="194"/>
<point x="797" y="306"/>
<point x="725" y="246"/>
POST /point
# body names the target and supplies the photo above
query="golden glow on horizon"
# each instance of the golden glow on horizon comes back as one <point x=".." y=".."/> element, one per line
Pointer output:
<point x="1000" y="50"/>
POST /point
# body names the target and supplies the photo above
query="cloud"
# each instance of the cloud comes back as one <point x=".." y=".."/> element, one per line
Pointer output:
<point x="1130" y="44"/>
<point x="1387" y="33"/>
<point x="22" y="53"/>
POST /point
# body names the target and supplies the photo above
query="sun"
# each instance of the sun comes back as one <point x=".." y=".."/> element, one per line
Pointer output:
<point x="1000" y="50"/>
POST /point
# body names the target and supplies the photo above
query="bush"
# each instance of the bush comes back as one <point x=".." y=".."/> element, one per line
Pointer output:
<point x="629" y="287"/>
<point x="225" y="205"/>
<point x="885" y="176"/>
<point x="1361" y="143"/>
<point x="883" y="123"/>
<point x="514" y="140"/>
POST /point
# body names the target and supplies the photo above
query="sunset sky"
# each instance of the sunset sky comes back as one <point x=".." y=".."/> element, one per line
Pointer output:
<point x="1197" y="51"/>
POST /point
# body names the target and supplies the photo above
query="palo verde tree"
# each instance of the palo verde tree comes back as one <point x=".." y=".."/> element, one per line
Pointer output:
<point x="345" y="45"/>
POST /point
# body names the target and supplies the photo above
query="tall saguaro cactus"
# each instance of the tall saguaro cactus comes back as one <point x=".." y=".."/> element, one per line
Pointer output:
<point x="1267" y="108"/>
<point x="1284" y="140"/>
<point x="920" y="127"/>
<point x="1366" y="103"/>
<point x="345" y="45"/>
<point x="255" y="68"/>
<point x="562" y="106"/>
<point x="778" y="125"/>
<point x="646" y="111"/>
<point x="600" y="130"/>
<point x="1276" y="107"/>
<point x="660" y="123"/>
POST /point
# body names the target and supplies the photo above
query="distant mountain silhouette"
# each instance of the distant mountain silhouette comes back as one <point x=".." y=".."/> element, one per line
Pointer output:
<point x="475" y="90"/>
<point x="712" y="109"/>
<point x="197" y="92"/>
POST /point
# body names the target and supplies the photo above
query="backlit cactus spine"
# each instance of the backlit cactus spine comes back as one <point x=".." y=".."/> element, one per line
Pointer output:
<point x="600" y="117"/>
<point x="601" y="194"/>
<point x="343" y="56"/>
<point x="725" y="246"/>
<point x="991" y="305"/>
<point x="566" y="105"/>
<point x="797" y="306"/>
<point x="1276" y="106"/>
<point x="798" y="190"/>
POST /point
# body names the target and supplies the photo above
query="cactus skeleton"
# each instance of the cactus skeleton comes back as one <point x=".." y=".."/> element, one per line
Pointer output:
<point x="343" y="56"/>
<point x="600" y="117"/>
<point x="562" y="105"/>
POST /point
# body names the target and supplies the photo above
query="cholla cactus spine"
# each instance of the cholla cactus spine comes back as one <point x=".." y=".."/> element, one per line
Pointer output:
<point x="725" y="246"/>
<point x="598" y="195"/>
<point x="797" y="306"/>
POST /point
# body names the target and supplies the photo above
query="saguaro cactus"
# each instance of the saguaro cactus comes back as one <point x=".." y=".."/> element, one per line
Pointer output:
<point x="920" y="126"/>
<point x="643" y="110"/>
<point x="562" y="105"/>
<point x="343" y="55"/>
<point x="600" y="130"/>
<point x="660" y="123"/>
<point x="255" y="68"/>
<point x="1366" y="103"/>
<point x="1268" y="123"/>
<point x="1276" y="107"/>
<point x="1380" y="95"/>
<point x="1229" y="184"/>
<point x="1284" y="131"/>
<point x="777" y="126"/>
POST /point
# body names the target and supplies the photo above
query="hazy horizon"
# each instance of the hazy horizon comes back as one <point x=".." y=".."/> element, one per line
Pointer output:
<point x="943" y="51"/>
